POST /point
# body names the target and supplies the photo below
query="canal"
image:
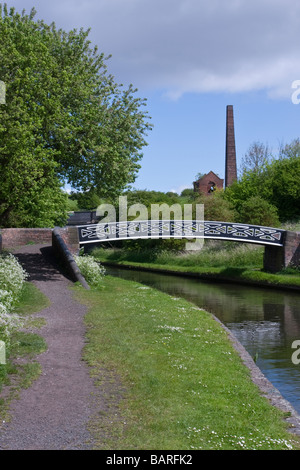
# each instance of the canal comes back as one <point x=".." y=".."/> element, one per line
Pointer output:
<point x="265" y="321"/>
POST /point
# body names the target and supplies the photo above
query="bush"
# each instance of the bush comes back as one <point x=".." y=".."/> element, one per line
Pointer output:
<point x="217" y="207"/>
<point x="92" y="271"/>
<point x="12" y="277"/>
<point x="258" y="211"/>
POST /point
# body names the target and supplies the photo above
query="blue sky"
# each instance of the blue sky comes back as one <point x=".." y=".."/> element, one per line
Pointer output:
<point x="190" y="59"/>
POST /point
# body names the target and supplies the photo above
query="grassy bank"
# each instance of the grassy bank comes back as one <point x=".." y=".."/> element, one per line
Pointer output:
<point x="175" y="380"/>
<point x="223" y="260"/>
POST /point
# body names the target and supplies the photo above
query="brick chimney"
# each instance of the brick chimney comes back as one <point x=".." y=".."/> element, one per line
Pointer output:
<point x="230" y="164"/>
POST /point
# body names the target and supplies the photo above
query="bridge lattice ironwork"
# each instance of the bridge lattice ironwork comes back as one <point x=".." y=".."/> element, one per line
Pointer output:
<point x="191" y="229"/>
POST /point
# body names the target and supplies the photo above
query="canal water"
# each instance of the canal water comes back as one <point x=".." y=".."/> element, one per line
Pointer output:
<point x="265" y="321"/>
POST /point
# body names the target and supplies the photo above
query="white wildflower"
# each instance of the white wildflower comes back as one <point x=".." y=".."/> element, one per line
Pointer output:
<point x="92" y="270"/>
<point x="12" y="277"/>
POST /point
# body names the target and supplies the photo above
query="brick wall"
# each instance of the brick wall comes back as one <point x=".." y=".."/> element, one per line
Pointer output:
<point x="292" y="249"/>
<point x="70" y="237"/>
<point x="13" y="237"/>
<point x="277" y="258"/>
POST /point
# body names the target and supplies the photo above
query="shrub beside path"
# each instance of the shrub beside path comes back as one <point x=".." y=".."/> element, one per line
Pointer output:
<point x="53" y="413"/>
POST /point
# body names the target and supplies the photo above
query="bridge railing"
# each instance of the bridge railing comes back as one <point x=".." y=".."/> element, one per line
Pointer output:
<point x="190" y="229"/>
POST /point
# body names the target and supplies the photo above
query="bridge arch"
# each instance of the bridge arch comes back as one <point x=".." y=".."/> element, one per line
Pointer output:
<point x="282" y="248"/>
<point x="190" y="229"/>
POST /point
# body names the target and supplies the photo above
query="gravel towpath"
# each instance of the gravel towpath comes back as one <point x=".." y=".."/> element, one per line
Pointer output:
<point x="54" y="412"/>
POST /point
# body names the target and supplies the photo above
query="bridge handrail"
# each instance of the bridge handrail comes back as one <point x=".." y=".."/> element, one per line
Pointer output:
<point x="122" y="230"/>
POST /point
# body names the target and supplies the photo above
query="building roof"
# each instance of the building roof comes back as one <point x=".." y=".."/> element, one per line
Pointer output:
<point x="212" y="174"/>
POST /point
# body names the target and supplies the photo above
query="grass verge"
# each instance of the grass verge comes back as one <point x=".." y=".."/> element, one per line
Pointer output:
<point x="172" y="377"/>
<point x="21" y="368"/>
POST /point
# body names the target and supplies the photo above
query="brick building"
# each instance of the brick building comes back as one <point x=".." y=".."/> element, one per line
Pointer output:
<point x="208" y="183"/>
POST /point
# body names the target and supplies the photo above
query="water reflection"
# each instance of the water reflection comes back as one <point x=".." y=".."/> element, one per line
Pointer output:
<point x="265" y="321"/>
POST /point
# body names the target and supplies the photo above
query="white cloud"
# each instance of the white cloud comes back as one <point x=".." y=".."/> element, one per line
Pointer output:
<point x="184" y="46"/>
<point x="181" y="188"/>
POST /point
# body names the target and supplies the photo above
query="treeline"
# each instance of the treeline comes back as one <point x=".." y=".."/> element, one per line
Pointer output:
<point x="267" y="191"/>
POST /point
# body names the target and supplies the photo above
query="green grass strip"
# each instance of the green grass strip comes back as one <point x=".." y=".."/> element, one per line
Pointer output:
<point x="237" y="263"/>
<point x="170" y="376"/>
<point x="31" y="300"/>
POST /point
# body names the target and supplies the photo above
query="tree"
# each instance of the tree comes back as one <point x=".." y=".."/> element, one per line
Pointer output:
<point x="189" y="194"/>
<point x="199" y="176"/>
<point x="88" y="200"/>
<point x="277" y="182"/>
<point x="285" y="181"/>
<point x="256" y="158"/>
<point x="65" y="118"/>
<point x="146" y="197"/>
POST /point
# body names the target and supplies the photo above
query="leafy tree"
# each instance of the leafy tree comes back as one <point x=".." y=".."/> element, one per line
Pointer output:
<point x="46" y="208"/>
<point x="65" y="118"/>
<point x="249" y="185"/>
<point x="285" y="181"/>
<point x="88" y="200"/>
<point x="72" y="204"/>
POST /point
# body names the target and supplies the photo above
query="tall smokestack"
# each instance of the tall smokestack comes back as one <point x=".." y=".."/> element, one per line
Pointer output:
<point x="230" y="165"/>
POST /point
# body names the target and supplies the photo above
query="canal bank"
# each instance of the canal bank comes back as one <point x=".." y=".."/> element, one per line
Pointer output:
<point x="237" y="277"/>
<point x="251" y="277"/>
<point x="263" y="325"/>
<point x="184" y="384"/>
